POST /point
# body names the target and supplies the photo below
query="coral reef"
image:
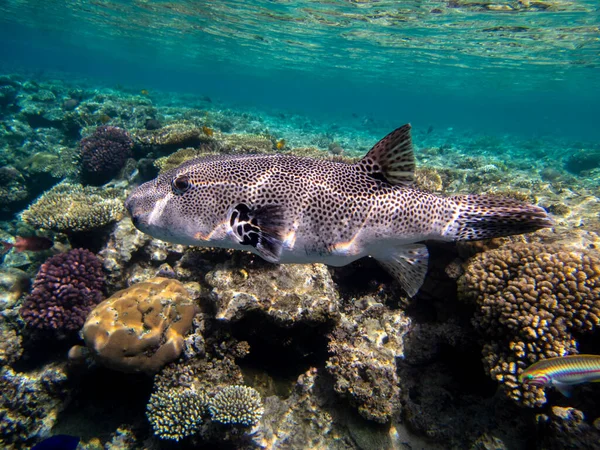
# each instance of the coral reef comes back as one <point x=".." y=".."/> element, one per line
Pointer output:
<point x="565" y="428"/>
<point x="246" y="144"/>
<point x="236" y="405"/>
<point x="10" y="343"/>
<point x="582" y="160"/>
<point x="167" y="163"/>
<point x="13" y="187"/>
<point x="428" y="180"/>
<point x="55" y="165"/>
<point x="141" y="328"/>
<point x="170" y="137"/>
<point x="71" y="208"/>
<point x="13" y="283"/>
<point x="364" y="347"/>
<point x="123" y="242"/>
<point x="104" y="153"/>
<point x="30" y="403"/>
<point x="285" y="293"/>
<point x="176" y="414"/>
<point x="530" y="299"/>
<point x="65" y="289"/>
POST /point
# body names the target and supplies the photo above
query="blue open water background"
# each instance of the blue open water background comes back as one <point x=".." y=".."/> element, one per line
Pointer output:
<point x="531" y="71"/>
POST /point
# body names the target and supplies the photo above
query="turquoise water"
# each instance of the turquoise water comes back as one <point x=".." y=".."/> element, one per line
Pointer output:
<point x="202" y="347"/>
<point x="523" y="69"/>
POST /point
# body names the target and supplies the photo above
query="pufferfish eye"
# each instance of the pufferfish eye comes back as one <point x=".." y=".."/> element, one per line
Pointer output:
<point x="180" y="184"/>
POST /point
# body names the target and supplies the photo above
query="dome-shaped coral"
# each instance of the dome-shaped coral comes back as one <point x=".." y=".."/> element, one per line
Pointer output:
<point x="240" y="405"/>
<point x="141" y="328"/>
<point x="530" y="299"/>
<point x="104" y="153"/>
<point x="65" y="289"/>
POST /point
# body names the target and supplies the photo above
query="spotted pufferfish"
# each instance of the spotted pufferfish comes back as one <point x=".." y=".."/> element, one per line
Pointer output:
<point x="290" y="209"/>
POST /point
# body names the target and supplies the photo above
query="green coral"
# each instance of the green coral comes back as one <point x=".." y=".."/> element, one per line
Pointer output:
<point x="13" y="187"/>
<point x="72" y="207"/>
<point x="530" y="299"/>
<point x="176" y="414"/>
<point x="59" y="166"/>
<point x="240" y="405"/>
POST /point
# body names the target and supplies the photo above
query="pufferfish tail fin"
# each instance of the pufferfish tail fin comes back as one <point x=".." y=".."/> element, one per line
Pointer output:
<point x="487" y="216"/>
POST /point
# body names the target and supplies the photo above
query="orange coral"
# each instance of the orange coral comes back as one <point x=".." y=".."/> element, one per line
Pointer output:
<point x="141" y="328"/>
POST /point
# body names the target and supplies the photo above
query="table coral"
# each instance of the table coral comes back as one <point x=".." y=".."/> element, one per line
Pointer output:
<point x="364" y="347"/>
<point x="172" y="136"/>
<point x="68" y="208"/>
<point x="141" y="328"/>
<point x="530" y="299"/>
<point x="65" y="289"/>
<point x="104" y="153"/>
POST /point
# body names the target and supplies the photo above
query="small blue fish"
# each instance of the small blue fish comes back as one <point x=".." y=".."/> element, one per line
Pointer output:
<point x="58" y="442"/>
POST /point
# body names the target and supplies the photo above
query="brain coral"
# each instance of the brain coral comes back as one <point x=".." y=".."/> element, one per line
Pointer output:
<point x="236" y="405"/>
<point x="530" y="299"/>
<point x="65" y="289"/>
<point x="71" y="208"/>
<point x="176" y="414"/>
<point x="104" y="153"/>
<point x="141" y="328"/>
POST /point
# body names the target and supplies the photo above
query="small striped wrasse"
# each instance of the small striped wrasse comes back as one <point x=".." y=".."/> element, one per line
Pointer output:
<point x="563" y="372"/>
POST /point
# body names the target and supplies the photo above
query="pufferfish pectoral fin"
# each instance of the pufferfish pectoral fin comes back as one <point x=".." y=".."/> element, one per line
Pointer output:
<point x="263" y="228"/>
<point x="408" y="264"/>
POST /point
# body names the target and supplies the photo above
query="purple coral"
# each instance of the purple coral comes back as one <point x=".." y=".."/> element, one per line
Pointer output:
<point x="104" y="153"/>
<point x="65" y="290"/>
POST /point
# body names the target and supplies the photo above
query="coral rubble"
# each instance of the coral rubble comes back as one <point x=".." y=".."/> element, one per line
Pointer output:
<point x="285" y="293"/>
<point x="30" y="403"/>
<point x="364" y="346"/>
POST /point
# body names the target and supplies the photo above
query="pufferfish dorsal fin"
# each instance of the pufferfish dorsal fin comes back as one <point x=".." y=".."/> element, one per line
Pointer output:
<point x="392" y="158"/>
<point x="263" y="228"/>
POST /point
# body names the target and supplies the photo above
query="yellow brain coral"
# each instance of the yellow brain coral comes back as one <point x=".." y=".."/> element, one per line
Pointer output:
<point x="530" y="299"/>
<point x="141" y="328"/>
